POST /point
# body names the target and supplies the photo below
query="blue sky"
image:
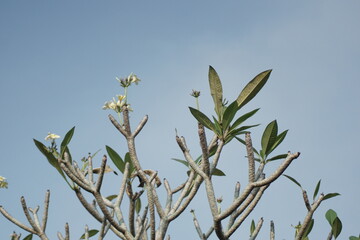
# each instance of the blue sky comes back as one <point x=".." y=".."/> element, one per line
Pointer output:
<point x="59" y="60"/>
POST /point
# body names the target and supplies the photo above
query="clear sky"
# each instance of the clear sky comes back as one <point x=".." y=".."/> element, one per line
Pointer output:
<point x="59" y="60"/>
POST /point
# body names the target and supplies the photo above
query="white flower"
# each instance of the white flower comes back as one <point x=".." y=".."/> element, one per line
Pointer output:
<point x="115" y="105"/>
<point x="3" y="182"/>
<point x="51" y="136"/>
<point x="133" y="78"/>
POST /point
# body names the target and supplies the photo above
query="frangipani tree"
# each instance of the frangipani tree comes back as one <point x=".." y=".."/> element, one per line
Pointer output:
<point x="145" y="217"/>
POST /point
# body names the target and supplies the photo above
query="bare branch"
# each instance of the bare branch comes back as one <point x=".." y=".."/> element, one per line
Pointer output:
<point x="101" y="174"/>
<point x="15" y="221"/>
<point x="250" y="156"/>
<point x="306" y="200"/>
<point x="46" y="210"/>
<point x="117" y="125"/>
<point x="205" y="164"/>
<point x="308" y="217"/>
<point x="272" y="230"/>
<point x="140" y="126"/>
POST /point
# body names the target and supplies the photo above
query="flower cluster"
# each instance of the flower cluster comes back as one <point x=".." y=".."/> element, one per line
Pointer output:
<point x="126" y="82"/>
<point x="116" y="105"/>
<point x="3" y="182"/>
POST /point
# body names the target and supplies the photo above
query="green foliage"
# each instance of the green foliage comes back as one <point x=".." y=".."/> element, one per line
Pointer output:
<point x="252" y="88"/>
<point x="66" y="141"/>
<point x="52" y="155"/>
<point x="293" y="180"/>
<point x="354" y="238"/>
<point x="138" y="205"/>
<point x="115" y="157"/>
<point x="28" y="237"/>
<point x="335" y="222"/>
<point x="203" y="119"/>
<point x="252" y="227"/>
<point x="92" y="232"/>
<point x="216" y="91"/>
<point x="316" y="189"/>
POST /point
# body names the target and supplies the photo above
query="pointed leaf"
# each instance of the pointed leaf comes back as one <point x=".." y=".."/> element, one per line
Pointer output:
<point x="278" y="140"/>
<point x="330" y="195"/>
<point x="354" y="238"/>
<point x="111" y="197"/>
<point x="216" y="90"/>
<point x="243" y="118"/>
<point x="252" y="227"/>
<point x="115" y="157"/>
<point x="202" y="118"/>
<point x="138" y="205"/>
<point x="316" y="189"/>
<point x="309" y="228"/>
<point x="241" y="130"/>
<point x="336" y="227"/>
<point x="92" y="232"/>
<point x="218" y="172"/>
<point x="229" y="114"/>
<point x="66" y="140"/>
<point x="330" y="215"/>
<point x="181" y="161"/>
<point x="269" y="137"/>
<point x="278" y="157"/>
<point x="28" y="237"/>
<point x="50" y="157"/>
<point x="218" y="128"/>
<point x="128" y="159"/>
<point x="293" y="180"/>
<point x="252" y="88"/>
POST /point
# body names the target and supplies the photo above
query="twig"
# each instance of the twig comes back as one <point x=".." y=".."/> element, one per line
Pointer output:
<point x="46" y="210"/>
<point x="308" y="217"/>
<point x="257" y="229"/>
<point x="250" y="156"/>
<point x="272" y="230"/>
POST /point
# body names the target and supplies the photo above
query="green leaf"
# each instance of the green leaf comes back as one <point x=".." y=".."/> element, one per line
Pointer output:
<point x="229" y="115"/>
<point x="241" y="130"/>
<point x="218" y="172"/>
<point x="278" y="140"/>
<point x="330" y="215"/>
<point x="354" y="238"/>
<point x="218" y="128"/>
<point x="181" y="161"/>
<point x="202" y="118"/>
<point x="92" y="232"/>
<point x="50" y="157"/>
<point x="115" y="157"/>
<point x="308" y="228"/>
<point x="281" y="156"/>
<point x="138" y="205"/>
<point x="216" y="90"/>
<point x="252" y="88"/>
<point x="269" y="137"/>
<point x="252" y="227"/>
<point x="243" y="118"/>
<point x="316" y="189"/>
<point x="330" y="195"/>
<point x="293" y="180"/>
<point x="336" y="227"/>
<point x="111" y="197"/>
<point x="28" y="237"/>
<point x="66" y="141"/>
<point x="128" y="159"/>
